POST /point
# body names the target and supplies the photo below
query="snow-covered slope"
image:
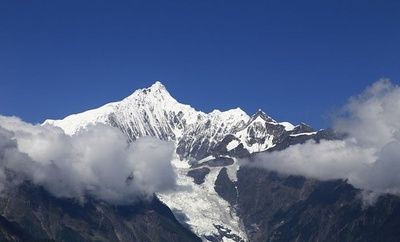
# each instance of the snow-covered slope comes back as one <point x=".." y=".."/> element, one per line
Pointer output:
<point x="148" y="111"/>
<point x="73" y="123"/>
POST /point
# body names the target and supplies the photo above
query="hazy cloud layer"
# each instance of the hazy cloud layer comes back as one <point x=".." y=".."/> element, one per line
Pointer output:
<point x="97" y="161"/>
<point x="369" y="158"/>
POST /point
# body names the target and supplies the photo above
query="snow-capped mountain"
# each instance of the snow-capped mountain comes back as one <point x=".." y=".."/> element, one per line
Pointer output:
<point x="154" y="112"/>
<point x="212" y="141"/>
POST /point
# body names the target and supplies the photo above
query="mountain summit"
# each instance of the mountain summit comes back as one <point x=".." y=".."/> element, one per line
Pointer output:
<point x="154" y="112"/>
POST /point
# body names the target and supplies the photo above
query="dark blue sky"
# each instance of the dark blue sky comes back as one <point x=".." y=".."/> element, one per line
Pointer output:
<point x="297" y="60"/>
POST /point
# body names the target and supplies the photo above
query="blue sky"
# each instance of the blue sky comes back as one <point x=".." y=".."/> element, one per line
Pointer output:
<point x="297" y="60"/>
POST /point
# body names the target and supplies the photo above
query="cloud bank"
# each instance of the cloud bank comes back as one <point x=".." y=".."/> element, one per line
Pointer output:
<point x="369" y="158"/>
<point x="96" y="162"/>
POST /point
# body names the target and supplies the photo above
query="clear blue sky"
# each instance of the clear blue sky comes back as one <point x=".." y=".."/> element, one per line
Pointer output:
<point x="297" y="60"/>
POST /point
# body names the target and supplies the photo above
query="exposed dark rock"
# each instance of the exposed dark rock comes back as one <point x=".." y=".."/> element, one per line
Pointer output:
<point x="225" y="187"/>
<point x="220" y="149"/>
<point x="220" y="161"/>
<point x="287" y="140"/>
<point x="199" y="174"/>
<point x="302" y="128"/>
<point x="276" y="207"/>
<point x="223" y="232"/>
<point x="29" y="213"/>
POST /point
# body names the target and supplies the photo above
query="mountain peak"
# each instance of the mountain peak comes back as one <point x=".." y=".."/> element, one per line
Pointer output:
<point x="157" y="86"/>
<point x="155" y="93"/>
<point x="260" y="115"/>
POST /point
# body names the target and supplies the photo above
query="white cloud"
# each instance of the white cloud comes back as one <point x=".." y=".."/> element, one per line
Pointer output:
<point x="96" y="162"/>
<point x="369" y="158"/>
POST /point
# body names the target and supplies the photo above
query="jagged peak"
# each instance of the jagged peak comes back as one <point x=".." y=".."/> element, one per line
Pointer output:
<point x="262" y="116"/>
<point x="157" y="92"/>
<point x="157" y="86"/>
<point x="260" y="112"/>
<point x="303" y="127"/>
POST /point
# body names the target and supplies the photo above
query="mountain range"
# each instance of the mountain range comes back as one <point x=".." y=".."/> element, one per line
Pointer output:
<point x="216" y="198"/>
